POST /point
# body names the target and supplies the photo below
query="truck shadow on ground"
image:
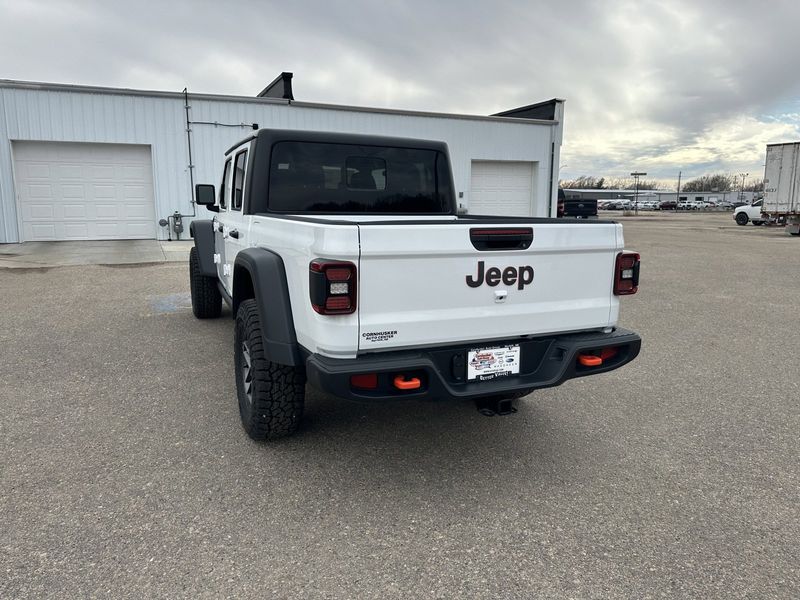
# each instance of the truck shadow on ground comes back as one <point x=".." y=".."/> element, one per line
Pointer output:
<point x="446" y="445"/>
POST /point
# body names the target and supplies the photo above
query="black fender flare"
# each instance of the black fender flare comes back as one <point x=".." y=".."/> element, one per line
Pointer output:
<point x="203" y="233"/>
<point x="267" y="284"/>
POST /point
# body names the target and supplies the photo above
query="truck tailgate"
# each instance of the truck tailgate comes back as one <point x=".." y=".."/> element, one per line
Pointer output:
<point x="414" y="282"/>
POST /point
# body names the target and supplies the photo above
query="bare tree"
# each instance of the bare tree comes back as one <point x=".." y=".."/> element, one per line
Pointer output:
<point x="757" y="186"/>
<point x="711" y="183"/>
<point x="590" y="182"/>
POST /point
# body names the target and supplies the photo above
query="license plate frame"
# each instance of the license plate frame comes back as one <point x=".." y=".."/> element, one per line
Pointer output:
<point x="493" y="362"/>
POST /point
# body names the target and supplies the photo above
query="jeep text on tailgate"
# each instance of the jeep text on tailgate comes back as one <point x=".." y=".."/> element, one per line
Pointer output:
<point x="346" y="267"/>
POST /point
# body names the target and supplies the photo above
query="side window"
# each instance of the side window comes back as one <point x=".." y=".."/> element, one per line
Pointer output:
<point x="238" y="179"/>
<point x="226" y="173"/>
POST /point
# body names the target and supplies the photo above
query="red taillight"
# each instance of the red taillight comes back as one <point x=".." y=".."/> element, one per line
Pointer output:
<point x="365" y="381"/>
<point x="626" y="274"/>
<point x="338" y="274"/>
<point x="337" y="303"/>
<point x="332" y="286"/>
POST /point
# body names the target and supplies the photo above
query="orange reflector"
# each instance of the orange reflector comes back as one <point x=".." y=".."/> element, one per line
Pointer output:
<point x="589" y="360"/>
<point x="401" y="383"/>
<point x="366" y="381"/>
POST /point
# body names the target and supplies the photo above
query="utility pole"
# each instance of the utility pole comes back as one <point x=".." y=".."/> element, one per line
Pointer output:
<point x="741" y="195"/>
<point x="678" y="195"/>
<point x="636" y="176"/>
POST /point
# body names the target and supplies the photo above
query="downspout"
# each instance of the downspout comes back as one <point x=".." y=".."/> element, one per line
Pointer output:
<point x="174" y="222"/>
<point x="552" y="169"/>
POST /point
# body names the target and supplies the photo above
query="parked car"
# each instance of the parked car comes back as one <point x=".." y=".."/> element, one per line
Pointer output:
<point x="648" y="205"/>
<point x="619" y="204"/>
<point x="668" y="205"/>
<point x="749" y="212"/>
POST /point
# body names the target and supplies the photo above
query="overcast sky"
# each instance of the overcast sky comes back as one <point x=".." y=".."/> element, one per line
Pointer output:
<point x="699" y="86"/>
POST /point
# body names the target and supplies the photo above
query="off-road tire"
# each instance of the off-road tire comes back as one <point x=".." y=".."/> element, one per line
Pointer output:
<point x="742" y="219"/>
<point x="271" y="396"/>
<point x="206" y="299"/>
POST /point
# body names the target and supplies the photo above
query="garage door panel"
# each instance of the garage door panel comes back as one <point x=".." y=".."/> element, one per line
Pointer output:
<point x="134" y="192"/>
<point x="74" y="211"/>
<point x="107" y="230"/>
<point x="100" y="172"/>
<point x="77" y="191"/>
<point x="141" y="230"/>
<point x="75" y="231"/>
<point x="38" y="211"/>
<point x="39" y="190"/>
<point x="107" y="211"/>
<point x="70" y="172"/>
<point x="40" y="231"/>
<point x="501" y="188"/>
<point x="34" y="171"/>
<point x="104" y="191"/>
<point x="73" y="190"/>
<point x="136" y="210"/>
<point x="134" y="173"/>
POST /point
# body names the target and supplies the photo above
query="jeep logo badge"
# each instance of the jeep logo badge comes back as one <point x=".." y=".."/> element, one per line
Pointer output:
<point x="522" y="276"/>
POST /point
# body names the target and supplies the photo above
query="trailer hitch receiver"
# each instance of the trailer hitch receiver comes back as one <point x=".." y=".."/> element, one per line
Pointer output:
<point x="489" y="407"/>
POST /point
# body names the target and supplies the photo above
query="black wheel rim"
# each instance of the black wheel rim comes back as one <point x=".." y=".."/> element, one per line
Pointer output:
<point x="247" y="374"/>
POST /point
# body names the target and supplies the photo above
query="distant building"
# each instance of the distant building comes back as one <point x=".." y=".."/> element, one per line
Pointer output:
<point x="661" y="195"/>
<point x="715" y="197"/>
<point x="603" y="194"/>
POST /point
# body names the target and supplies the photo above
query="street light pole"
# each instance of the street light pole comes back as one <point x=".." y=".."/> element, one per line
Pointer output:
<point x="636" y="176"/>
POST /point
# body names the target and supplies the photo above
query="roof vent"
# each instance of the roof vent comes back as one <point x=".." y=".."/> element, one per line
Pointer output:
<point x="281" y="87"/>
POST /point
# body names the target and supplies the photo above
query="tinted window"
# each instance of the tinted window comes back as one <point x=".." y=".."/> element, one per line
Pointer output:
<point x="330" y="178"/>
<point x="238" y="179"/>
<point x="224" y="185"/>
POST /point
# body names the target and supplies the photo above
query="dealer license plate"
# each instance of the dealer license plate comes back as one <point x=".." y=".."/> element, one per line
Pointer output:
<point x="489" y="363"/>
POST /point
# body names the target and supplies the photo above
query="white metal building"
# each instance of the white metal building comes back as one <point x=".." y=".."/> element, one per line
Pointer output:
<point x="83" y="163"/>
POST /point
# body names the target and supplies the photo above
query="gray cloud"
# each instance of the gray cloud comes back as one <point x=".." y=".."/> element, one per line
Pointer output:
<point x="668" y="85"/>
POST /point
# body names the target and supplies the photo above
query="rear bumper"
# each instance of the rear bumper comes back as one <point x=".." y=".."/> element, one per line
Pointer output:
<point x="545" y="362"/>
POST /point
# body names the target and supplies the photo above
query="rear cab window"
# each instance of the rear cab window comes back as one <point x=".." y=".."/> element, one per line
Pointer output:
<point x="238" y="180"/>
<point x="319" y="177"/>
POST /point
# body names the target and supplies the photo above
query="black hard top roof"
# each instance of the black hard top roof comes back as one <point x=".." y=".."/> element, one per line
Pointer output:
<point x="270" y="136"/>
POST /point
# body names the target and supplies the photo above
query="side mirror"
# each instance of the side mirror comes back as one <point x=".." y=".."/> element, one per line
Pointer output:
<point x="205" y="195"/>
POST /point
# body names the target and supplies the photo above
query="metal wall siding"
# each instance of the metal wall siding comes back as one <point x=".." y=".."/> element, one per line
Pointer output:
<point x="83" y="116"/>
<point x="8" y="214"/>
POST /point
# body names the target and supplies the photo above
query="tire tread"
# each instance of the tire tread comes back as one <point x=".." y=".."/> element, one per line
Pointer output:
<point x="278" y="390"/>
<point x="206" y="298"/>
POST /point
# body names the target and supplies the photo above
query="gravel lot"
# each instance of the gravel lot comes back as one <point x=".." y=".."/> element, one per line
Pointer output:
<point x="124" y="471"/>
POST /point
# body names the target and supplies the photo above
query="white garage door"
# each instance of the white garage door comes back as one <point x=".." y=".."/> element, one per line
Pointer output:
<point x="501" y="188"/>
<point x="77" y="191"/>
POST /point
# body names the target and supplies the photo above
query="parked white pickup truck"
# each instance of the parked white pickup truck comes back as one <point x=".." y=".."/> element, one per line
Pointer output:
<point x="750" y="212"/>
<point x="346" y="266"/>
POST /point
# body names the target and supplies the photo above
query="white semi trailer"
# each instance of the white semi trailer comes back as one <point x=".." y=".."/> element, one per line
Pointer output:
<point x="782" y="185"/>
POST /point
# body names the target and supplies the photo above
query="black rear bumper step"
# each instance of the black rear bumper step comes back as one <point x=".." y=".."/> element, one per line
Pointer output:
<point x="545" y="362"/>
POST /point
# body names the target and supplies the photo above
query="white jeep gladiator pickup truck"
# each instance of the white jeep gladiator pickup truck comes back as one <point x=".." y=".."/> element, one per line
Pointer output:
<point x="346" y="266"/>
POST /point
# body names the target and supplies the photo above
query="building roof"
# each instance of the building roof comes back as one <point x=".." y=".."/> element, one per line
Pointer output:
<point x="88" y="89"/>
<point x="541" y="110"/>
